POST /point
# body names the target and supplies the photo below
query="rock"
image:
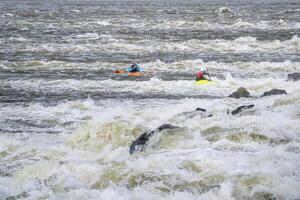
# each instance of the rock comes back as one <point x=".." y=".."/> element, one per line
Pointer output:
<point x="23" y="195"/>
<point x="240" y="108"/>
<point x="273" y="92"/>
<point x="165" y="126"/>
<point x="279" y="141"/>
<point x="198" y="112"/>
<point x="240" y="92"/>
<point x="140" y="143"/>
<point x="294" y="76"/>
<point x="201" y="109"/>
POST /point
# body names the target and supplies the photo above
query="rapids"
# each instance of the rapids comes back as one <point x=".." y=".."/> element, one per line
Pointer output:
<point x="67" y="120"/>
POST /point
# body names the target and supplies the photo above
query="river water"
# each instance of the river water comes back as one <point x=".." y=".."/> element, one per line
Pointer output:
<point x="67" y="120"/>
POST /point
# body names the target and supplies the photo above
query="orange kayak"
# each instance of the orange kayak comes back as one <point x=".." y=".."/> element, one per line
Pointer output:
<point x="134" y="74"/>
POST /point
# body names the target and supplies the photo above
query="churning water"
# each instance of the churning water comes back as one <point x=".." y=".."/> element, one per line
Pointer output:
<point x="67" y="120"/>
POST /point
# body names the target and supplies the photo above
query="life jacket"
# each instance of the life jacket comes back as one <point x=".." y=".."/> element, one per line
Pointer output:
<point x="134" y="68"/>
<point x="199" y="75"/>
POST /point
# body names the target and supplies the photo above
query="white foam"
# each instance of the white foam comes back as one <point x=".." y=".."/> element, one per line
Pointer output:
<point x="75" y="11"/>
<point x="242" y="24"/>
<point x="91" y="36"/>
<point x="102" y="23"/>
<point x="9" y="15"/>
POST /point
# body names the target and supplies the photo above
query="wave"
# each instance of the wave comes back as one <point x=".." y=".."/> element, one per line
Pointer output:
<point x="90" y="36"/>
<point x="242" y="24"/>
<point x="178" y="70"/>
<point x="106" y="44"/>
<point x="94" y="153"/>
<point x="199" y="24"/>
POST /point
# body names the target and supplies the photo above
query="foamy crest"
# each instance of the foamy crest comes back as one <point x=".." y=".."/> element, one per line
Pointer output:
<point x="115" y="134"/>
<point x="91" y="36"/>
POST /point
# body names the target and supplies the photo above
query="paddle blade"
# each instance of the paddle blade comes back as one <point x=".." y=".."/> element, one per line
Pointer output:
<point x="119" y="71"/>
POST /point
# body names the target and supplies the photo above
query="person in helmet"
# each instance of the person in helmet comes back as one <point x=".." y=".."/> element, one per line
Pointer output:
<point x="203" y="74"/>
<point x="134" y="67"/>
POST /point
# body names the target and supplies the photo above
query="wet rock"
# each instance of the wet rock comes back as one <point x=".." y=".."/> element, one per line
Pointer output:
<point x="294" y="76"/>
<point x="240" y="108"/>
<point x="198" y="112"/>
<point x="239" y="93"/>
<point x="23" y="195"/>
<point x="201" y="109"/>
<point x="140" y="143"/>
<point x="264" y="196"/>
<point x="4" y="174"/>
<point x="293" y="149"/>
<point x="165" y="126"/>
<point x="273" y="92"/>
<point x="239" y="137"/>
<point x="279" y="141"/>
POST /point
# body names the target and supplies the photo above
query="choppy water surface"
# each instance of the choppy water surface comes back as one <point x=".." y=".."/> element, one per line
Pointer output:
<point x="66" y="120"/>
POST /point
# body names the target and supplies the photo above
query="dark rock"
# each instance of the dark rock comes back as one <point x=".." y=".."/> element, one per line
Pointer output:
<point x="166" y="126"/>
<point x="273" y="92"/>
<point x="23" y="195"/>
<point x="140" y="143"/>
<point x="294" y="76"/>
<point x="240" y="108"/>
<point x="241" y="92"/>
<point x="4" y="174"/>
<point x="201" y="109"/>
<point x="279" y="141"/>
<point x="198" y="112"/>
<point x="264" y="195"/>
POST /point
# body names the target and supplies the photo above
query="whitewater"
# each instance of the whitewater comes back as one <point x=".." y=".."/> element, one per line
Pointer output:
<point x="67" y="119"/>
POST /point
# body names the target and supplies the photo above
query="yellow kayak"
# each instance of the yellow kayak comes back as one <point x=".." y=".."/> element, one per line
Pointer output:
<point x="203" y="82"/>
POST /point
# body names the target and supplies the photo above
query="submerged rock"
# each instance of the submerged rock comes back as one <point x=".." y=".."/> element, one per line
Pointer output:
<point x="264" y="196"/>
<point x="273" y="92"/>
<point x="22" y="195"/>
<point x="239" y="93"/>
<point x="279" y="141"/>
<point x="198" y="19"/>
<point x="294" y="76"/>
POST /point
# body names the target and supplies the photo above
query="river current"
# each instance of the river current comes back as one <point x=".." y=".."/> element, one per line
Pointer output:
<point x="67" y="120"/>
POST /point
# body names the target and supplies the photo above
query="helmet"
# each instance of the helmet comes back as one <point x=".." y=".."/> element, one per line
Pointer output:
<point x="203" y="69"/>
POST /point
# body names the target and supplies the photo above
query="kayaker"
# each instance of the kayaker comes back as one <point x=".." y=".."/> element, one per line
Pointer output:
<point x="203" y="75"/>
<point x="134" y="67"/>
